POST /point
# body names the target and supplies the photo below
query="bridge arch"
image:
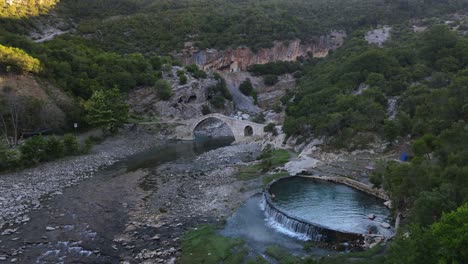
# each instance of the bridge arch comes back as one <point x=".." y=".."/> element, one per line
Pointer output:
<point x="241" y="129"/>
<point x="212" y="127"/>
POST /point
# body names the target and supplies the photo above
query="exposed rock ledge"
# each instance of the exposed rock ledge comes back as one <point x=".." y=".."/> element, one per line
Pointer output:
<point x="239" y="59"/>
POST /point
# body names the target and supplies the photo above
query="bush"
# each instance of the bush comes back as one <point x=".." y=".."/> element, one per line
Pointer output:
<point x="255" y="97"/>
<point x="33" y="151"/>
<point x="217" y="101"/>
<point x="259" y="118"/>
<point x="270" y="79"/>
<point x="246" y="87"/>
<point x="183" y="79"/>
<point x="55" y="148"/>
<point x="163" y="89"/>
<point x="9" y="158"/>
<point x="205" y="110"/>
<point x="71" y="145"/>
<point x="270" y="128"/>
<point x="220" y="88"/>
<point x="196" y="72"/>
<point x="277" y="108"/>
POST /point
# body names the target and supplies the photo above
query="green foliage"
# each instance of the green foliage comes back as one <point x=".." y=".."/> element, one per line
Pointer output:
<point x="270" y="79"/>
<point x="17" y="60"/>
<point x="259" y="118"/>
<point x="272" y="158"/>
<point x="391" y="130"/>
<point x="246" y="87"/>
<point x="163" y="89"/>
<point x="166" y="25"/>
<point x="217" y="101"/>
<point x="282" y="256"/>
<point x="206" y="110"/>
<point x="55" y="148"/>
<point x="269" y="128"/>
<point x="80" y="67"/>
<point x="249" y="173"/>
<point x="219" y="93"/>
<point x="9" y="158"/>
<point x="21" y="9"/>
<point x="435" y="180"/>
<point x="275" y="68"/>
<point x="196" y="72"/>
<point x="326" y="102"/>
<point x="182" y="79"/>
<point x="39" y="149"/>
<point x="271" y="177"/>
<point x="220" y="88"/>
<point x="443" y="242"/>
<point x="204" y="245"/>
<point x="107" y="109"/>
<point x="33" y="151"/>
<point x="71" y="145"/>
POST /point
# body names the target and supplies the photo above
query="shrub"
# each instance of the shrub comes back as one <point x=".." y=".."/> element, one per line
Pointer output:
<point x="9" y="158"/>
<point x="259" y="118"/>
<point x="196" y="72"/>
<point x="217" y="101"/>
<point x="33" y="150"/>
<point x="269" y="128"/>
<point x="220" y="88"/>
<point x="71" y="145"/>
<point x="270" y="79"/>
<point x="277" y="108"/>
<point x="205" y="110"/>
<point x="183" y="79"/>
<point x="246" y="87"/>
<point x="54" y="148"/>
<point x="163" y="89"/>
<point x="255" y="97"/>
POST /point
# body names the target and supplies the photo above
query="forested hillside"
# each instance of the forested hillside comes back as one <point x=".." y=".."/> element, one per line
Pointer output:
<point x="412" y="89"/>
<point x="25" y="8"/>
<point x="164" y="26"/>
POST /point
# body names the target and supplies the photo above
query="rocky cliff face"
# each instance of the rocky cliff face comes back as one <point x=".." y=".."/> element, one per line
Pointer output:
<point x="186" y="102"/>
<point x="241" y="58"/>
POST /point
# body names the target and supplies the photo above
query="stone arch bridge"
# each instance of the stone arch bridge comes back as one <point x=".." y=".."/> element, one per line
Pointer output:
<point x="241" y="129"/>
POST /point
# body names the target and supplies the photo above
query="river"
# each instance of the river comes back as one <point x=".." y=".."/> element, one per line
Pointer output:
<point x="80" y="225"/>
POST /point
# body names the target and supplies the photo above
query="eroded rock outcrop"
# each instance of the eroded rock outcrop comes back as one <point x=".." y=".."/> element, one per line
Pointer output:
<point x="241" y="58"/>
<point x="187" y="100"/>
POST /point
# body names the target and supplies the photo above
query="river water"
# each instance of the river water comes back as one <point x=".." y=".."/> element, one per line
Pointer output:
<point x="79" y="225"/>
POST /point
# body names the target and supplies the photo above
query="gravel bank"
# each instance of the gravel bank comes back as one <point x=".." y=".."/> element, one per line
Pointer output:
<point x="21" y="192"/>
<point x="184" y="194"/>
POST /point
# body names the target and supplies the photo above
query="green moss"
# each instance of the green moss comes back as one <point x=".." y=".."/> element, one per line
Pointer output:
<point x="282" y="256"/>
<point x="273" y="158"/>
<point x="257" y="260"/>
<point x="250" y="172"/>
<point x="203" y="245"/>
<point x="269" y="178"/>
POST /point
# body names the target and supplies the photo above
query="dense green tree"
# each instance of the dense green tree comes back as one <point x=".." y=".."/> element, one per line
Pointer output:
<point x="71" y="145"/>
<point x="443" y="242"/>
<point x="17" y="60"/>
<point x="107" y="109"/>
<point x="163" y="89"/>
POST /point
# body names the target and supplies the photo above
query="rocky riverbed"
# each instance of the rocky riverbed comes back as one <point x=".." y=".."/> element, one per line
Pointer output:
<point x="20" y="192"/>
<point x="184" y="194"/>
<point x="131" y="211"/>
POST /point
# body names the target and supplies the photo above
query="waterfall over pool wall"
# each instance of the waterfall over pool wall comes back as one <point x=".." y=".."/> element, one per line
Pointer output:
<point x="315" y="212"/>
